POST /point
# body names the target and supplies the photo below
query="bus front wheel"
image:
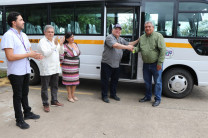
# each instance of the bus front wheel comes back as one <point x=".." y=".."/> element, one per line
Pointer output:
<point x="34" y="75"/>
<point x="177" y="83"/>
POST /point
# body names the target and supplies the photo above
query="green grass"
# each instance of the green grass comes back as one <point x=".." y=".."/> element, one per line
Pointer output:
<point x="3" y="74"/>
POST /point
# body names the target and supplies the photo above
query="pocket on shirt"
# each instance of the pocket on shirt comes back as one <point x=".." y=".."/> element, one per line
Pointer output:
<point x="143" y="46"/>
<point x="152" y="45"/>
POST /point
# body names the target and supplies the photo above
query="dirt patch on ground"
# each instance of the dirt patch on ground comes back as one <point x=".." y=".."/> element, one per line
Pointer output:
<point x="4" y="81"/>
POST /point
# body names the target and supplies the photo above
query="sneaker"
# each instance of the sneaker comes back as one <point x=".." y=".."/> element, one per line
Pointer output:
<point x="46" y="108"/>
<point x="22" y="124"/>
<point x="56" y="103"/>
<point x="115" y="98"/>
<point x="31" y="115"/>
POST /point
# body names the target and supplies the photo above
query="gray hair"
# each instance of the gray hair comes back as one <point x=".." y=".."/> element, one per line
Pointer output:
<point x="47" y="27"/>
<point x="149" y="22"/>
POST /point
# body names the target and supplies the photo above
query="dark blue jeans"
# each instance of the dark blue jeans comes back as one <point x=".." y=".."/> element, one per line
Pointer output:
<point x="107" y="72"/>
<point x="149" y="71"/>
<point x="20" y="86"/>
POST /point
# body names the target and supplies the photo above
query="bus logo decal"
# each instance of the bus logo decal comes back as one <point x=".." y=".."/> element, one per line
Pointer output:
<point x="169" y="53"/>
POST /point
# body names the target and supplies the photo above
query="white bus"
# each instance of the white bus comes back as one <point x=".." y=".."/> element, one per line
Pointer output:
<point x="183" y="23"/>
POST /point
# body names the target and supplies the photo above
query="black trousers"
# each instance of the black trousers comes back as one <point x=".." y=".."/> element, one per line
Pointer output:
<point x="20" y="86"/>
<point x="53" y="81"/>
<point x="107" y="72"/>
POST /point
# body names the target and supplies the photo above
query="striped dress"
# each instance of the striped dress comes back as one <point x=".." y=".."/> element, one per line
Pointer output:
<point x="70" y="66"/>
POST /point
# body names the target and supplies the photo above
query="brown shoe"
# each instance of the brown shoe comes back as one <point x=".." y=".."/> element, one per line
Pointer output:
<point x="56" y="103"/>
<point x="46" y="108"/>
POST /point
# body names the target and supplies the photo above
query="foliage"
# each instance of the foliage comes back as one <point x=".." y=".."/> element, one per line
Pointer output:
<point x="92" y="19"/>
<point x="3" y="74"/>
<point x="62" y="20"/>
<point x="127" y="27"/>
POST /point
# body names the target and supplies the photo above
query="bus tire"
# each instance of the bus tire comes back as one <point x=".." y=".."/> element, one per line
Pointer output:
<point x="177" y="83"/>
<point x="34" y="75"/>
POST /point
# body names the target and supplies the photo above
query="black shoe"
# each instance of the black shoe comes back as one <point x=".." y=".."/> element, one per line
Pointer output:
<point x="22" y="124"/>
<point x="145" y="99"/>
<point x="156" y="103"/>
<point x="31" y="115"/>
<point x="115" y="98"/>
<point x="106" y="100"/>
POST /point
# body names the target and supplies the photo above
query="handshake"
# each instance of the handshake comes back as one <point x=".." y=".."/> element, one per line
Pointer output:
<point x="130" y="48"/>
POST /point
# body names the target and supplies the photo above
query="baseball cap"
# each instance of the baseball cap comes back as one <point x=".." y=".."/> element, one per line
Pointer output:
<point x="117" y="26"/>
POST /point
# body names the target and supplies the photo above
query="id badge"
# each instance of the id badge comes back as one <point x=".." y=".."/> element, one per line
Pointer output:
<point x="75" y="53"/>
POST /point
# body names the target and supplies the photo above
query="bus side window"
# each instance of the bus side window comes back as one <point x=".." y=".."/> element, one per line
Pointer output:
<point x="77" y="18"/>
<point x="163" y="21"/>
<point x="88" y="18"/>
<point x="35" y="19"/>
<point x="62" y="17"/>
<point x="200" y="46"/>
<point x="192" y="18"/>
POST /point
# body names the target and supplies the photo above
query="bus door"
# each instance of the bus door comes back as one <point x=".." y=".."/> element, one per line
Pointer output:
<point x="128" y="18"/>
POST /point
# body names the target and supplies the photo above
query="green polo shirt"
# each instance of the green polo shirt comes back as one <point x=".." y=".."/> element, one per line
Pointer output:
<point x="152" y="48"/>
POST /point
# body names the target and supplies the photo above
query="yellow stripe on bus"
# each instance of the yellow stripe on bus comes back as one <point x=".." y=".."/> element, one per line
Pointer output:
<point x="178" y="45"/>
<point x="99" y="42"/>
<point x="34" y="40"/>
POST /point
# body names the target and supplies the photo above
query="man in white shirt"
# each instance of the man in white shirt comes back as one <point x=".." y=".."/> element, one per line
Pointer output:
<point x="50" y="66"/>
<point x="17" y="48"/>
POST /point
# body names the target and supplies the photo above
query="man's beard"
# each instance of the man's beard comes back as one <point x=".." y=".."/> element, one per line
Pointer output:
<point x="20" y="27"/>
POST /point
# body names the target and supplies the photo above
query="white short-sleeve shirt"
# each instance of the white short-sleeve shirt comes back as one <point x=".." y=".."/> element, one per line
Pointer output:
<point x="12" y="39"/>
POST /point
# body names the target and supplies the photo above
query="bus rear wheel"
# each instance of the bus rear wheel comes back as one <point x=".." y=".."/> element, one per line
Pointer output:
<point x="34" y="75"/>
<point x="177" y="83"/>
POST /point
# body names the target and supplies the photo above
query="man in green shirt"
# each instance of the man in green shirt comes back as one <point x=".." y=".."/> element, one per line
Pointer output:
<point x="152" y="48"/>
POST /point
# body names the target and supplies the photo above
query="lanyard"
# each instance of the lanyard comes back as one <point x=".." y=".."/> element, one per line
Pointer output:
<point x="20" y="38"/>
<point x="51" y="43"/>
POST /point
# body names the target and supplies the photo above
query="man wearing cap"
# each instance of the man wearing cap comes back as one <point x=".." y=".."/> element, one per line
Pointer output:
<point x="111" y="58"/>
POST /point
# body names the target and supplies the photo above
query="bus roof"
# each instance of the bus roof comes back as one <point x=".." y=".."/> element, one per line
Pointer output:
<point x="20" y="2"/>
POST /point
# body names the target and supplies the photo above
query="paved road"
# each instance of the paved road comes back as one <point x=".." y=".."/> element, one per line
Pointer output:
<point x="92" y="118"/>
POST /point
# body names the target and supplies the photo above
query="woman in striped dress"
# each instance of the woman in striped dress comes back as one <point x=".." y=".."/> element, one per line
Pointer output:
<point x="70" y="66"/>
